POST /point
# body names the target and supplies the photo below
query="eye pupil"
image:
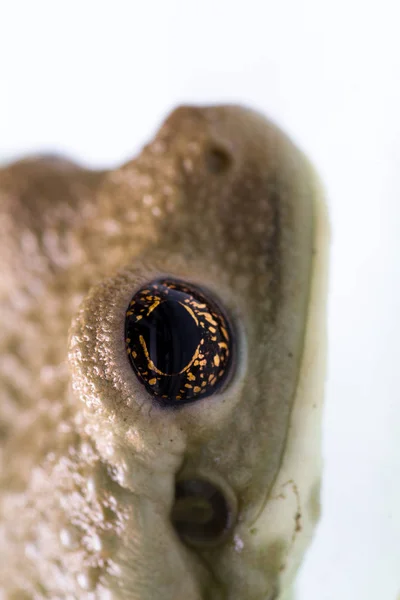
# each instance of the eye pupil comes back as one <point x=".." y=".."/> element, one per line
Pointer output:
<point x="172" y="337"/>
<point x="178" y="342"/>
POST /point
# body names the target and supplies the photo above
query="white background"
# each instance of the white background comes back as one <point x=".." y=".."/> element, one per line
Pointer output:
<point x="94" y="79"/>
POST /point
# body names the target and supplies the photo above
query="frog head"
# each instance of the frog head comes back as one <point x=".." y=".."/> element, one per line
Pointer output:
<point x="164" y="344"/>
<point x="200" y="361"/>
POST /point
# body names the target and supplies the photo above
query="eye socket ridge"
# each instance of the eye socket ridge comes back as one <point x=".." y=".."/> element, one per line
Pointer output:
<point x="179" y="341"/>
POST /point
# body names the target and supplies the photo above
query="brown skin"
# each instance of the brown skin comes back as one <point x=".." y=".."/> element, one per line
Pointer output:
<point x="221" y="199"/>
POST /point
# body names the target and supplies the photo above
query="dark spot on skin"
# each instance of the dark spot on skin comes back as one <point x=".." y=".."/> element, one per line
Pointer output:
<point x="218" y="160"/>
<point x="291" y="485"/>
<point x="297" y="517"/>
<point x="290" y="354"/>
<point x="298" y="522"/>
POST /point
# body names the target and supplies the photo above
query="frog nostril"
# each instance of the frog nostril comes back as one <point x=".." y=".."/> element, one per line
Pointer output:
<point x="202" y="515"/>
<point x="218" y="160"/>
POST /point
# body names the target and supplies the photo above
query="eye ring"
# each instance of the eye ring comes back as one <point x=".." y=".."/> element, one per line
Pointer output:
<point x="179" y="341"/>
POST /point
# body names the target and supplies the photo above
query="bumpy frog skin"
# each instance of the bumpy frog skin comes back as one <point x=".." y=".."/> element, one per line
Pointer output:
<point x="220" y="199"/>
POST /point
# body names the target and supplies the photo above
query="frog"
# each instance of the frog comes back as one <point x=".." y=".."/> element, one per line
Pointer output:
<point x="163" y="366"/>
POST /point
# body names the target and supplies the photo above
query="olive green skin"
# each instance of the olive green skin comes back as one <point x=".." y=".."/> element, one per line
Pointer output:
<point x="223" y="200"/>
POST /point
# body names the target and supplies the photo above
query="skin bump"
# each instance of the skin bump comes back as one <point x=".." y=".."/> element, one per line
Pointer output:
<point x="91" y="461"/>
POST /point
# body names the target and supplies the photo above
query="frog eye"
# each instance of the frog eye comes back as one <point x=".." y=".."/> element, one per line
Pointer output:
<point x="179" y="342"/>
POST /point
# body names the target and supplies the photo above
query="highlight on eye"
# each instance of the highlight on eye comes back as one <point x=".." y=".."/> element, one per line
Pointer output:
<point x="179" y="342"/>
